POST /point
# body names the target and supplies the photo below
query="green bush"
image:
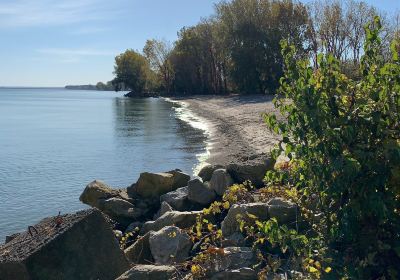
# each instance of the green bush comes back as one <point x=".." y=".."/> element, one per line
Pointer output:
<point x="342" y="137"/>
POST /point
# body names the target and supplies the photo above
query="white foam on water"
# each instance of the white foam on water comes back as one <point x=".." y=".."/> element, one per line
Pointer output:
<point x="183" y="113"/>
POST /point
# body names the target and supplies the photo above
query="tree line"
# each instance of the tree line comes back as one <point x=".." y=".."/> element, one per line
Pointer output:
<point x="237" y="49"/>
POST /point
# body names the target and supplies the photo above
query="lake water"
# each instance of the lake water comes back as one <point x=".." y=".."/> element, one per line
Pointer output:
<point x="53" y="142"/>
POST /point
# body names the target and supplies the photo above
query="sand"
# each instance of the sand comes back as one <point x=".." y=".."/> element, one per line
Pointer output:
<point x="236" y="127"/>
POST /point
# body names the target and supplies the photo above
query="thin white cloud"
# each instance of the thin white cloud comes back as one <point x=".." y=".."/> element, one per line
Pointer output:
<point x="30" y="13"/>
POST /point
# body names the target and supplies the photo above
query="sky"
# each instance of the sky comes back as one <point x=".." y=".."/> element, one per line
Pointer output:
<point x="59" y="42"/>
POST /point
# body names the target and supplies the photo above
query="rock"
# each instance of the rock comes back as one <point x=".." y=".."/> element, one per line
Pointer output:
<point x="220" y="181"/>
<point x="82" y="247"/>
<point x="250" y="170"/>
<point x="234" y="240"/>
<point x="139" y="252"/>
<point x="233" y="258"/>
<point x="11" y="237"/>
<point x="180" y="179"/>
<point x="244" y="273"/>
<point x="120" y="210"/>
<point x="206" y="172"/>
<point x="95" y="191"/>
<point x="154" y="184"/>
<point x="284" y="211"/>
<point x="178" y="199"/>
<point x="230" y="224"/>
<point x="238" y="257"/>
<point x="199" y="192"/>
<point x="170" y="245"/>
<point x="180" y="219"/>
<point x="165" y="207"/>
<point x="149" y="272"/>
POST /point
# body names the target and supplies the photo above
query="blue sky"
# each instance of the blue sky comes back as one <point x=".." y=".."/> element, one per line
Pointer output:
<point x="59" y="42"/>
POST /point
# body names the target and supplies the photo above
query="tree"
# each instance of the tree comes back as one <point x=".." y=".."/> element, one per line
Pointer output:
<point x="252" y="30"/>
<point x="158" y="53"/>
<point x="196" y="62"/>
<point x="132" y="71"/>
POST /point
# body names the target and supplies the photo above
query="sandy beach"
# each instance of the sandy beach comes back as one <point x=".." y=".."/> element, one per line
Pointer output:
<point x="237" y="129"/>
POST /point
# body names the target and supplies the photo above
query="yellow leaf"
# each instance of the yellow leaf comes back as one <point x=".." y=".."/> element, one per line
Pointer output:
<point x="328" y="269"/>
<point x="226" y="205"/>
<point x="312" y="269"/>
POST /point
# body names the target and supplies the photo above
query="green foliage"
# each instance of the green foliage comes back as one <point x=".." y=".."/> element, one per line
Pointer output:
<point x="132" y="71"/>
<point x="343" y="137"/>
<point x="251" y="32"/>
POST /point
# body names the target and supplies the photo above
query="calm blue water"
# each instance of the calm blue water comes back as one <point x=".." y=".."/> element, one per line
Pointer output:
<point x="53" y="142"/>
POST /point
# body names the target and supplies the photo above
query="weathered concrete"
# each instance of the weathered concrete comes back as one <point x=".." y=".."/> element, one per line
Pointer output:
<point x="82" y="247"/>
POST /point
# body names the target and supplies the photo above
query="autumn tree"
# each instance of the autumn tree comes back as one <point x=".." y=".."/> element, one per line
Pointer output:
<point x="132" y="71"/>
<point x="158" y="53"/>
<point x="252" y="31"/>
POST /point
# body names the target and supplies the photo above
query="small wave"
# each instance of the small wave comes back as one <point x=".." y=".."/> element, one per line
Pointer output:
<point x="183" y="113"/>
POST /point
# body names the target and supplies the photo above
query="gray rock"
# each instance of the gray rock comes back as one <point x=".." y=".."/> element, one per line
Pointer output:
<point x="250" y="170"/>
<point x="234" y="240"/>
<point x="95" y="191"/>
<point x="120" y="210"/>
<point x="178" y="199"/>
<point x="139" y="252"/>
<point x="230" y="224"/>
<point x="206" y="172"/>
<point x="199" y="192"/>
<point x="238" y="257"/>
<point x="220" y="181"/>
<point x="180" y="219"/>
<point x="82" y="247"/>
<point x="180" y="179"/>
<point x="170" y="245"/>
<point x="284" y="211"/>
<point x="244" y="273"/>
<point x="165" y="207"/>
<point x="149" y="272"/>
<point x="234" y="258"/>
<point x="150" y="185"/>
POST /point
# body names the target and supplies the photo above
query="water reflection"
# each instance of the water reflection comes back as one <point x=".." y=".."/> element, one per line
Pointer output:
<point x="153" y="125"/>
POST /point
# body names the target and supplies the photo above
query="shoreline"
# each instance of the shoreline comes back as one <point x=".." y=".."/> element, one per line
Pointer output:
<point x="234" y="125"/>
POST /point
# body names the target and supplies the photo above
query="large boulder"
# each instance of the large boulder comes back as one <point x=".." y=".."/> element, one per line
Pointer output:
<point x="120" y="210"/>
<point x="180" y="179"/>
<point x="220" y="181"/>
<point x="170" y="245"/>
<point x="149" y="272"/>
<point x="82" y="246"/>
<point x="284" y="211"/>
<point x="230" y="224"/>
<point x="139" y="252"/>
<point x="150" y="185"/>
<point x="206" y="172"/>
<point x="178" y="199"/>
<point x="180" y="219"/>
<point x="200" y="193"/>
<point x="253" y="171"/>
<point x="95" y="191"/>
